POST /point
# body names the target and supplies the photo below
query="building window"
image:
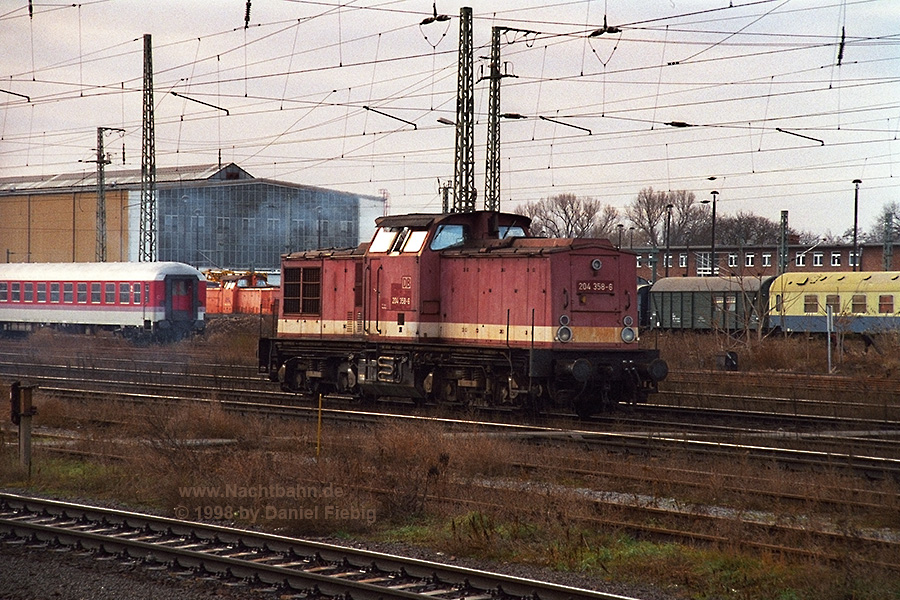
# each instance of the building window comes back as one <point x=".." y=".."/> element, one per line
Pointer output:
<point x="833" y="301"/>
<point x="835" y="259"/>
<point x="732" y="259"/>
<point x="800" y="260"/>
<point x="767" y="259"/>
<point x="859" y="304"/>
<point x="302" y="290"/>
<point x="810" y="303"/>
<point x="638" y="261"/>
<point x="703" y="263"/>
<point x="749" y="259"/>
<point x="682" y="260"/>
<point x="818" y="259"/>
<point x="853" y="259"/>
<point x="668" y="261"/>
<point x="886" y="303"/>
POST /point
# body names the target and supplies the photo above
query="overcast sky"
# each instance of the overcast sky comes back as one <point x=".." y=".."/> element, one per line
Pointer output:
<point x="788" y="101"/>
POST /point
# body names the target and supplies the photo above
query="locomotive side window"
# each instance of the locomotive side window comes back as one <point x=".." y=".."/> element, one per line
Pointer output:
<point x="510" y="231"/>
<point x="95" y="293"/>
<point x="448" y="236"/>
<point x="4" y="292"/>
<point x="810" y="303"/>
<point x="312" y="290"/>
<point x="110" y="293"/>
<point x="82" y="293"/>
<point x="124" y="293"/>
<point x="42" y="292"/>
<point x="68" y="291"/>
<point x="859" y="304"/>
<point x="54" y="292"/>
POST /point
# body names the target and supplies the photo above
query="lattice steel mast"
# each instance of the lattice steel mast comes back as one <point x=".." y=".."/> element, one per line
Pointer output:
<point x="464" y="169"/>
<point x="147" y="249"/>
<point x="492" y="160"/>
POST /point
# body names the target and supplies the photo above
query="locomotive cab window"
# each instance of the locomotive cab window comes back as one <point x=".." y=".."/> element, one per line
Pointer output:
<point x="415" y="241"/>
<point x="383" y="240"/>
<point x="510" y="231"/>
<point x="449" y="236"/>
<point x="302" y="290"/>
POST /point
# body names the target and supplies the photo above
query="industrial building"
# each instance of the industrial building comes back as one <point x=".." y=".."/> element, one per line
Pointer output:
<point x="207" y="216"/>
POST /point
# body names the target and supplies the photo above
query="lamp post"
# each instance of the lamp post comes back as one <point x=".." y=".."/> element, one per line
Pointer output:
<point x="631" y="237"/>
<point x="668" y="226"/>
<point x="856" y="182"/>
<point x="620" y="227"/>
<point x="712" y="250"/>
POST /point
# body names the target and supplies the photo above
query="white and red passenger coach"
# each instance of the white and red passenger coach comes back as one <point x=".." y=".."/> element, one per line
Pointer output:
<point x="162" y="300"/>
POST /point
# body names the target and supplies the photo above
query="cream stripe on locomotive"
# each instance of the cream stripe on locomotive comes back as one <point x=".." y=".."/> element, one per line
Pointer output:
<point x="449" y="331"/>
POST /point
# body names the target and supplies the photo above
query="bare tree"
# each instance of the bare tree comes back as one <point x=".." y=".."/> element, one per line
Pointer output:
<point x="889" y="217"/>
<point x="567" y="216"/>
<point x="689" y="219"/>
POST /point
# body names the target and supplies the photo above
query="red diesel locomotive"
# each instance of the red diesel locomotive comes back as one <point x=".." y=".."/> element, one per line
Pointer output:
<point x="463" y="308"/>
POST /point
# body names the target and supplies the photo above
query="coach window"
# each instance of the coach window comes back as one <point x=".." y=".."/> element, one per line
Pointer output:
<point x="833" y="301"/>
<point x="124" y="293"/>
<point x="810" y="303"/>
<point x="110" y="293"/>
<point x="137" y="293"/>
<point x="29" y="292"/>
<point x="68" y="292"/>
<point x="54" y="292"/>
<point x="95" y="292"/>
<point x="15" y="292"/>
<point x="886" y="303"/>
<point x="82" y="293"/>
<point x="448" y="236"/>
<point x="42" y="292"/>
<point x="4" y="292"/>
<point x="859" y="304"/>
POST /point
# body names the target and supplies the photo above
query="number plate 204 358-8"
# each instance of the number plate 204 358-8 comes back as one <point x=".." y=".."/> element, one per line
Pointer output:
<point x="596" y="287"/>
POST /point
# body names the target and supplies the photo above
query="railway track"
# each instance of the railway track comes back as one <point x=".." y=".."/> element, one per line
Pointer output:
<point x="286" y="565"/>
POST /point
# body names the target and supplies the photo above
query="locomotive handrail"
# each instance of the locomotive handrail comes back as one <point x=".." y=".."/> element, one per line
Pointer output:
<point x="378" y="297"/>
<point x="365" y="298"/>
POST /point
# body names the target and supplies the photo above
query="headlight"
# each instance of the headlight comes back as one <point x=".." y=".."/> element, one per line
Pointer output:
<point x="564" y="319"/>
<point x="564" y="334"/>
<point x="628" y="335"/>
<point x="596" y="264"/>
<point x="628" y="321"/>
